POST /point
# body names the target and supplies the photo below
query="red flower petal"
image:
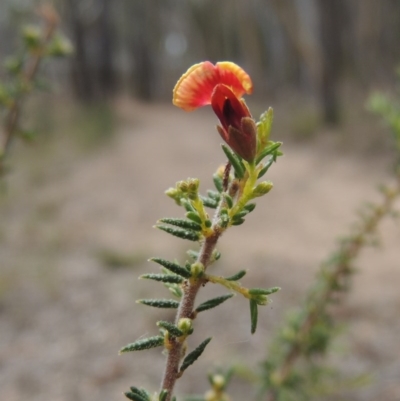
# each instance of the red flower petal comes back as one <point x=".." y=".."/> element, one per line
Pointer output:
<point x="238" y="128"/>
<point x="195" y="88"/>
<point x="228" y="108"/>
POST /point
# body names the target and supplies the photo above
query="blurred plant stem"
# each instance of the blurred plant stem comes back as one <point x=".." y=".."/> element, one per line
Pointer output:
<point x="331" y="280"/>
<point x="27" y="77"/>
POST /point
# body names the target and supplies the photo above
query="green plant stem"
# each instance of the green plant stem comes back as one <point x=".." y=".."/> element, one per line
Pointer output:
<point x="12" y="117"/>
<point x="190" y="290"/>
<point x="348" y="251"/>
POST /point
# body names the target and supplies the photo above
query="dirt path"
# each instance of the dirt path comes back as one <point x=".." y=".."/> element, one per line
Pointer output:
<point x="63" y="315"/>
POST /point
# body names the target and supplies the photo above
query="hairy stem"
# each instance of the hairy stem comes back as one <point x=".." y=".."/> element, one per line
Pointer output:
<point x="171" y="373"/>
<point x="190" y="290"/>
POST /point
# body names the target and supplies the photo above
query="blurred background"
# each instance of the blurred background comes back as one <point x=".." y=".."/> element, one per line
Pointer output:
<point x="140" y="48"/>
<point x="78" y="204"/>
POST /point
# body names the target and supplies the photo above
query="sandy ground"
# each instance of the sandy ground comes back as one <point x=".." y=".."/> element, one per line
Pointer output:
<point x="64" y="315"/>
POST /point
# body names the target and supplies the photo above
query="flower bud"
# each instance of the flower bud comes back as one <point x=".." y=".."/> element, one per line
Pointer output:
<point x="218" y="382"/>
<point x="262" y="188"/>
<point x="182" y="186"/>
<point x="185" y="325"/>
<point x="197" y="270"/>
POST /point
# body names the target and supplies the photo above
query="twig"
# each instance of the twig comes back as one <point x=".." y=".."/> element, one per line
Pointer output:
<point x="11" y="125"/>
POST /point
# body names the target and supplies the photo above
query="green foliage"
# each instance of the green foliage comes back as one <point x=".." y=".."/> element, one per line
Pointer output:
<point x="209" y="202"/>
<point x="240" y="274"/>
<point x="253" y="315"/>
<point x="173" y="267"/>
<point x="180" y="233"/>
<point x="163" y="395"/>
<point x="170" y="327"/>
<point x="194" y="355"/>
<point x="264" y="129"/>
<point x="159" y="303"/>
<point x="235" y="161"/>
<point x="145" y="343"/>
<point x="271" y="149"/>
<point x="212" y="303"/>
<point x="137" y="394"/>
<point x="218" y="182"/>
<point x="266" y="167"/>
<point x="165" y="278"/>
<point x="187" y="224"/>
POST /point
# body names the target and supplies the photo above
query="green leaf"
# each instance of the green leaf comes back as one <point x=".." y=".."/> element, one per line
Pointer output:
<point x="175" y="289"/>
<point x="218" y="182"/>
<point x="214" y="195"/>
<point x="236" y="163"/>
<point x="250" y="207"/>
<point x="159" y="303"/>
<point x="212" y="303"/>
<point x="240" y="215"/>
<point x="253" y="315"/>
<point x="134" y="396"/>
<point x="266" y="167"/>
<point x="269" y="150"/>
<point x="145" y="343"/>
<point x="187" y="205"/>
<point x="264" y="127"/>
<point x="193" y="254"/>
<point x="180" y="233"/>
<point x="191" y="225"/>
<point x="142" y="392"/>
<point x="229" y="200"/>
<point x="194" y="217"/>
<point x="164" y="278"/>
<point x="163" y="395"/>
<point x="209" y="202"/>
<point x="263" y="291"/>
<point x="170" y="327"/>
<point x="224" y="220"/>
<point x="216" y="255"/>
<point x="237" y="276"/>
<point x="194" y="355"/>
<point x="237" y="222"/>
<point x="173" y="267"/>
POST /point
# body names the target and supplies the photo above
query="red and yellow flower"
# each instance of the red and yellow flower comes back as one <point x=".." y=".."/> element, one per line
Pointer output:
<point x="222" y="85"/>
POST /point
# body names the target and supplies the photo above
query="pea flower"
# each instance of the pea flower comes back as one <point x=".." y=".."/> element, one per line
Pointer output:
<point x="222" y="85"/>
